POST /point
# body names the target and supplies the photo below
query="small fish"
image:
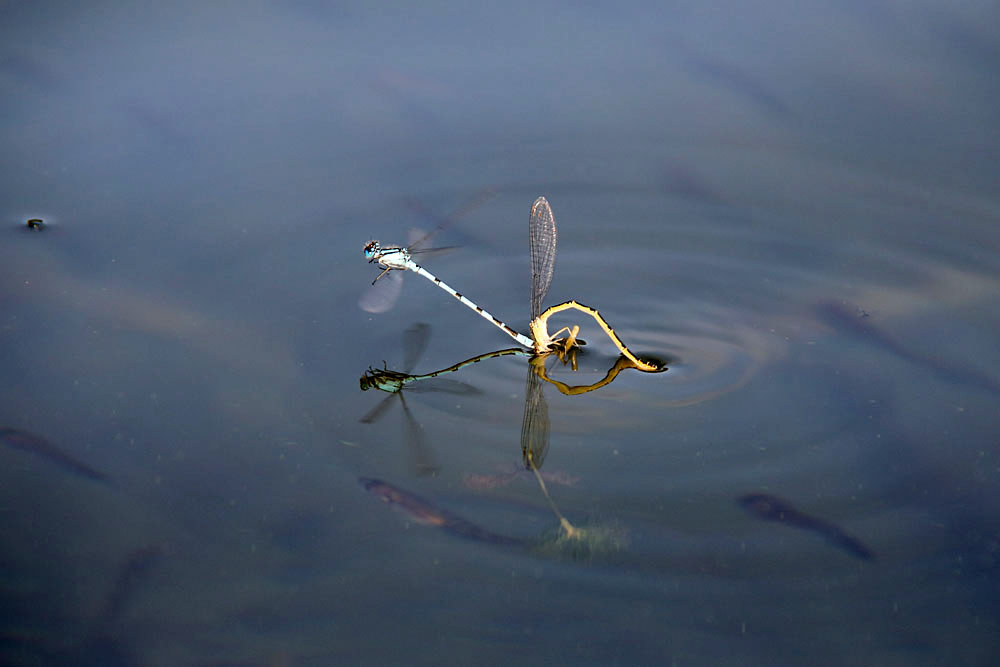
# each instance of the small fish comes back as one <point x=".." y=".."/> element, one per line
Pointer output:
<point x="31" y="443"/>
<point x="859" y="323"/>
<point x="105" y="643"/>
<point x="130" y="574"/>
<point x="426" y="514"/>
<point x="771" y="508"/>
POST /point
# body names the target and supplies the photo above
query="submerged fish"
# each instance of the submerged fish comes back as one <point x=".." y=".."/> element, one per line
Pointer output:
<point x="771" y="508"/>
<point x="31" y="443"/>
<point x="426" y="514"/>
<point x="131" y="574"/>
<point x="105" y="643"/>
<point x="858" y="323"/>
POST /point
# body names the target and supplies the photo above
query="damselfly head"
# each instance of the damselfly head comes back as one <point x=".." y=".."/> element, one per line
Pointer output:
<point x="372" y="250"/>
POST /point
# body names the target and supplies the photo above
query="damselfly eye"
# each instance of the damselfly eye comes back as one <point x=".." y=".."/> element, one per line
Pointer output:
<point x="372" y="249"/>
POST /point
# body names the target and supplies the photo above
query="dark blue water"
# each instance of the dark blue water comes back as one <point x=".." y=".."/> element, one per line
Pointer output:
<point x="797" y="208"/>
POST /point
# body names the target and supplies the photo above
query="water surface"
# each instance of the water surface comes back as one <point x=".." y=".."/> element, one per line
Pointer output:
<point x="797" y="209"/>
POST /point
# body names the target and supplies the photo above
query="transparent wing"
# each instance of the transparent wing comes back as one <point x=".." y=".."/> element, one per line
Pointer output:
<point x="535" y="425"/>
<point x="415" y="341"/>
<point x="419" y="241"/>
<point x="542" y="233"/>
<point x="421" y="457"/>
<point x="383" y="295"/>
<point x="379" y="410"/>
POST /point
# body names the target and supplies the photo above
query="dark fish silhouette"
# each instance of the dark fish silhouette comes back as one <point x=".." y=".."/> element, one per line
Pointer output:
<point x="857" y="323"/>
<point x="426" y="514"/>
<point x="31" y="443"/>
<point x="770" y="508"/>
<point x="105" y="643"/>
<point x="130" y="575"/>
<point x="742" y="82"/>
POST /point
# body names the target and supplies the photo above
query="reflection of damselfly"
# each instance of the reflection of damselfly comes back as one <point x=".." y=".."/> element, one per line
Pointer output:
<point x="572" y="539"/>
<point x="535" y="421"/>
<point x="542" y="234"/>
<point x="391" y="381"/>
<point x="535" y="429"/>
<point x="414" y="343"/>
<point x="534" y="446"/>
<point x="386" y="379"/>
